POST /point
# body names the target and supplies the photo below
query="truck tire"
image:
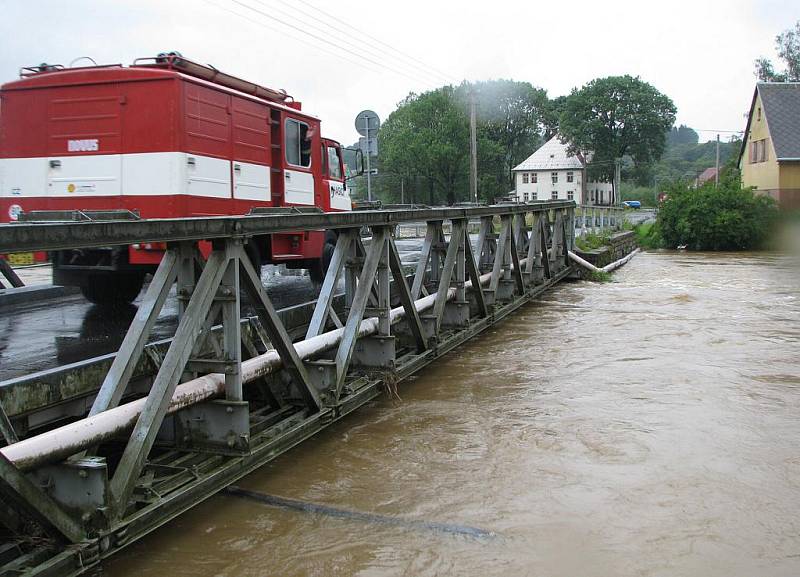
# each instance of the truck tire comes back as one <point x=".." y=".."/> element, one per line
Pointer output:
<point x="113" y="289"/>
<point x="319" y="268"/>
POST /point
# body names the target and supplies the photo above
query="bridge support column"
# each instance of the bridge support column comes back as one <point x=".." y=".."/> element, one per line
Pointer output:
<point x="456" y="311"/>
<point x="378" y="350"/>
<point x="501" y="285"/>
<point x="473" y="270"/>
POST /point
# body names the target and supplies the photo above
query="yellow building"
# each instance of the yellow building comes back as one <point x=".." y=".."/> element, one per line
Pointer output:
<point x="770" y="156"/>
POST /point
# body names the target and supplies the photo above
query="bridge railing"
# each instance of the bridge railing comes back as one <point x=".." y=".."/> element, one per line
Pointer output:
<point x="223" y="402"/>
<point x="596" y="219"/>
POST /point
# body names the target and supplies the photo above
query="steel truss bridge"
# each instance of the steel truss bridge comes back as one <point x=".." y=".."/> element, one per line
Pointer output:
<point x="98" y="457"/>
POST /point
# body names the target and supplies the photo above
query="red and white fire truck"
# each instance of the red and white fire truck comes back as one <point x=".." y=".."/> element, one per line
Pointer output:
<point x="162" y="138"/>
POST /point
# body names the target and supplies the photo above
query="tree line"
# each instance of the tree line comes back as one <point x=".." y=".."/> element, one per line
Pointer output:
<point x="424" y="144"/>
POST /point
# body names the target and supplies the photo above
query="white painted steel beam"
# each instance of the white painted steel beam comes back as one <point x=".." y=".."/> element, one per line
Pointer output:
<point x="608" y="268"/>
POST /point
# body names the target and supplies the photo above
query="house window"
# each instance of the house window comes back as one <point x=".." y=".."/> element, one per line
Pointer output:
<point x="524" y="178"/>
<point x="534" y="178"/>
<point x="525" y="198"/>
<point x="758" y="114"/>
<point x="554" y="195"/>
<point x="569" y="177"/>
<point x="570" y="195"/>
<point x="758" y="151"/>
<point x="554" y="177"/>
<point x="534" y="196"/>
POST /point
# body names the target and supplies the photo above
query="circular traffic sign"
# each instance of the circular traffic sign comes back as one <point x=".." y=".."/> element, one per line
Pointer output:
<point x="367" y="119"/>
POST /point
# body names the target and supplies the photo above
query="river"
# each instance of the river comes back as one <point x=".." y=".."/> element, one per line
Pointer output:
<point x="644" y="427"/>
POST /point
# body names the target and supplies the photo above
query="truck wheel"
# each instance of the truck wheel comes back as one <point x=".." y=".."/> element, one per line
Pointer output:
<point x="113" y="289"/>
<point x="319" y="268"/>
<point x="254" y="254"/>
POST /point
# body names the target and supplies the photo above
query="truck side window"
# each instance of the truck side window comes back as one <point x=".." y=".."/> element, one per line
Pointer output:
<point x="298" y="145"/>
<point x="334" y="165"/>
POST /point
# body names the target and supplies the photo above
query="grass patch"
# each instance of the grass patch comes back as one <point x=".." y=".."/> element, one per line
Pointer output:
<point x="648" y="235"/>
<point x="592" y="241"/>
<point x="597" y="276"/>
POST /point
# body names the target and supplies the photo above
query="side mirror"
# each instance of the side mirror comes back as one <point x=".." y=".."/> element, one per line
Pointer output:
<point x="353" y="162"/>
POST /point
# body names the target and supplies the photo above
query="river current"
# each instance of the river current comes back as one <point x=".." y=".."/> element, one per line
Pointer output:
<point x="645" y="427"/>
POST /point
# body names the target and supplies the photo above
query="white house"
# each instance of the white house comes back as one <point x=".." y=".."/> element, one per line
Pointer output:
<point x="552" y="173"/>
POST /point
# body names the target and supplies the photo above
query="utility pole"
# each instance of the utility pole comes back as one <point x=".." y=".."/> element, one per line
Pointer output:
<point x="716" y="174"/>
<point x="473" y="148"/>
<point x="617" y="175"/>
<point x="655" y="191"/>
<point x="402" y="190"/>
<point x="369" y="170"/>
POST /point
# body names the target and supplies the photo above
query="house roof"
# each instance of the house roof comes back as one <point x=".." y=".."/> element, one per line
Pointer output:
<point x="552" y="155"/>
<point x="781" y="102"/>
<point x="707" y="175"/>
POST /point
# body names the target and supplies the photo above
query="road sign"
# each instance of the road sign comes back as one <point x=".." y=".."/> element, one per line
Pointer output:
<point x="367" y="125"/>
<point x="366" y="122"/>
<point x="368" y="145"/>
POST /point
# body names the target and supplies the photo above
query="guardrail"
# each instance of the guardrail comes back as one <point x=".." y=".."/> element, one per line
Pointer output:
<point x="223" y="402"/>
<point x="594" y="219"/>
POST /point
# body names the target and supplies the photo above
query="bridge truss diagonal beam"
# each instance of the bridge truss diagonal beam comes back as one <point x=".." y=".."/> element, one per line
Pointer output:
<point x="377" y="251"/>
<point x="277" y="333"/>
<point x="149" y="421"/>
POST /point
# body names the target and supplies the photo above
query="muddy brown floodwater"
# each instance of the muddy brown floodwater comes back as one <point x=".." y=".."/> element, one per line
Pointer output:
<point x="650" y="426"/>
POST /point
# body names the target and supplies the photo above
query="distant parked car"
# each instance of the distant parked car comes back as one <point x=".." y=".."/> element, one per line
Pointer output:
<point x="632" y="204"/>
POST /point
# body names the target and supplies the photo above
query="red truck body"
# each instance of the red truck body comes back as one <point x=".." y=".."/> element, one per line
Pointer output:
<point x="163" y="138"/>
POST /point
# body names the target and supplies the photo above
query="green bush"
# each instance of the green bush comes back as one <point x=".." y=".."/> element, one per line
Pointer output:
<point x="648" y="235"/>
<point x="709" y="218"/>
<point x="592" y="241"/>
<point x="644" y="194"/>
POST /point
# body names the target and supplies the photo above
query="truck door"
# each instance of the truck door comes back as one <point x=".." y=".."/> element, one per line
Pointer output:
<point x="251" y="152"/>
<point x="334" y="177"/>
<point x="84" y="146"/>
<point x="297" y="175"/>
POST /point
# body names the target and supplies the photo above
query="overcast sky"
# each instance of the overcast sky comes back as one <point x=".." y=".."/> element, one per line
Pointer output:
<point x="698" y="52"/>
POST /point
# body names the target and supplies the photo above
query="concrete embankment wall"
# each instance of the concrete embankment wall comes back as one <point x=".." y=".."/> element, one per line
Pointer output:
<point x="620" y="245"/>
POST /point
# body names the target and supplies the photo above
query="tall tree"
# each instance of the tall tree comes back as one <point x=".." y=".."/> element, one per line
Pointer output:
<point x="614" y="117"/>
<point x="682" y="135"/>
<point x="552" y="115"/>
<point x="428" y="135"/>
<point x="511" y="115"/>
<point x="787" y="44"/>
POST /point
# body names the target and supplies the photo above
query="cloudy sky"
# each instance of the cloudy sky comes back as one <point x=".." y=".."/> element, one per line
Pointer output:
<point x="341" y="57"/>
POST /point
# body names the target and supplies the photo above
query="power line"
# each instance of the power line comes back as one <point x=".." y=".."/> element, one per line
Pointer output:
<point x="435" y="77"/>
<point x="325" y="40"/>
<point x="716" y="130"/>
<point x="284" y="32"/>
<point x="447" y="77"/>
